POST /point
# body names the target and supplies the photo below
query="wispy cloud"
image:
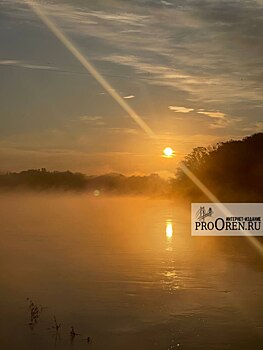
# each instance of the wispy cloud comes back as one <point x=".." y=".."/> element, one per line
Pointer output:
<point x="203" y="53"/>
<point x="178" y="109"/>
<point x="166" y="3"/>
<point x="227" y="69"/>
<point x="211" y="114"/>
<point x="254" y="128"/>
<point x="130" y="131"/>
<point x="8" y="62"/>
<point x="16" y="63"/>
<point x="89" y="119"/>
<point x="219" y="119"/>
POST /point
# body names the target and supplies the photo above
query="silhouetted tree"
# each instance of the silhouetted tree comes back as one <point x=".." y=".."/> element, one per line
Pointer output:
<point x="232" y="170"/>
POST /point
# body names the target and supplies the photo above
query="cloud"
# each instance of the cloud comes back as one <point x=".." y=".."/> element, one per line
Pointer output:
<point x="207" y="51"/>
<point x="220" y="119"/>
<point x="88" y="119"/>
<point x="254" y="128"/>
<point x="166" y="3"/>
<point x="181" y="41"/>
<point x="217" y="115"/>
<point x="131" y="19"/>
<point x="130" y="131"/>
<point x="8" y="62"/>
<point x="178" y="109"/>
<point x="21" y="64"/>
<point x="258" y="127"/>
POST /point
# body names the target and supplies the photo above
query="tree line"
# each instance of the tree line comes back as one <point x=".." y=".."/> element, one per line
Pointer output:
<point x="232" y="170"/>
<point x="113" y="183"/>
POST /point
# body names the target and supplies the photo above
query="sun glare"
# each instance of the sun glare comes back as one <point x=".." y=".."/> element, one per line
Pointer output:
<point x="169" y="229"/>
<point x="168" y="152"/>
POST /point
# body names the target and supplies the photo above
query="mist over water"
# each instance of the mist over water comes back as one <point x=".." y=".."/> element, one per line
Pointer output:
<point x="127" y="273"/>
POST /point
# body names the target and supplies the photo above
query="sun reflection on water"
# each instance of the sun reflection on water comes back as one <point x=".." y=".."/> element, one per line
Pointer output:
<point x="169" y="229"/>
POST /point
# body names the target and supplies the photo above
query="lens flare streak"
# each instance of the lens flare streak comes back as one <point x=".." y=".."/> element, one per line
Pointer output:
<point x="88" y="66"/>
<point x="123" y="104"/>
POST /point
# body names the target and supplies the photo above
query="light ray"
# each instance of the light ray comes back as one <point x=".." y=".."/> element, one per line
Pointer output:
<point x="123" y="104"/>
<point x="217" y="202"/>
<point x="88" y="66"/>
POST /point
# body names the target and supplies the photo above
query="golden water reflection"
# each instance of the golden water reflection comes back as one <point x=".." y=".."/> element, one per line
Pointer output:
<point x="169" y="229"/>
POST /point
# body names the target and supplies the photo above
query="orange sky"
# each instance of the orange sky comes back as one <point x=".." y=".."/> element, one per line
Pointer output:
<point x="158" y="58"/>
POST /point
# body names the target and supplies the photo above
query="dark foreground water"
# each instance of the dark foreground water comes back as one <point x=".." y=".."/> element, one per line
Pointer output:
<point x="125" y="272"/>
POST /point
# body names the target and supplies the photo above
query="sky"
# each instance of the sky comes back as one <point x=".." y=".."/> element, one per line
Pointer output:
<point x="191" y="69"/>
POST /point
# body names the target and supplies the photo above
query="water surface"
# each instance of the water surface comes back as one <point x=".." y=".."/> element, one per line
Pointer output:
<point x="127" y="273"/>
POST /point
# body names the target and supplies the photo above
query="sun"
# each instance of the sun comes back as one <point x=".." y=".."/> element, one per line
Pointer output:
<point x="168" y="152"/>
